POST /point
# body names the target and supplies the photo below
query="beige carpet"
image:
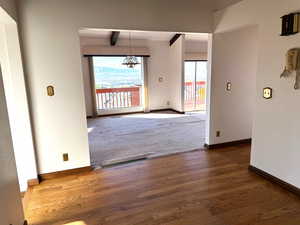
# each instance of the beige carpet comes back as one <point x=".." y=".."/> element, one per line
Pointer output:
<point x="124" y="138"/>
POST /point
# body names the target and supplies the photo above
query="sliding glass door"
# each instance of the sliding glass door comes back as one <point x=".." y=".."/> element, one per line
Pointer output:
<point x="195" y="85"/>
<point x="119" y="89"/>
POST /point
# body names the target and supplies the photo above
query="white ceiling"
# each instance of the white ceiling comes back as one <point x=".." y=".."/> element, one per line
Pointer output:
<point x="221" y="4"/>
<point x="153" y="35"/>
<point x="141" y="35"/>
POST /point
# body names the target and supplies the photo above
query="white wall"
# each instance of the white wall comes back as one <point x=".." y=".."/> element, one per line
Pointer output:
<point x="275" y="147"/>
<point x="158" y="66"/>
<point x="234" y="59"/>
<point x="196" y="46"/>
<point x="51" y="47"/>
<point x="221" y="4"/>
<point x="11" y="211"/>
<point x="176" y="80"/>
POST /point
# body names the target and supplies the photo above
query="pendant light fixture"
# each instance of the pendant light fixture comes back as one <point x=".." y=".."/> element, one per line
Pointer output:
<point x="130" y="61"/>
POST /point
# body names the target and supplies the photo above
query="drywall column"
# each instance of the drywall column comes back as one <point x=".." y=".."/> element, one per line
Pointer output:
<point x="11" y="211"/>
<point x="87" y="86"/>
<point x="208" y="89"/>
<point x="16" y="96"/>
<point x="146" y="84"/>
<point x="176" y="79"/>
<point x="234" y="60"/>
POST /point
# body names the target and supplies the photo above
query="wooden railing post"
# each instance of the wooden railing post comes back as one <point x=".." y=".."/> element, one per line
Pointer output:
<point x="135" y="98"/>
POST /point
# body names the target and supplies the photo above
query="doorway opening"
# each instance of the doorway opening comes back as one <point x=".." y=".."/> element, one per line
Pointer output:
<point x="118" y="89"/>
<point x="195" y="81"/>
<point x="149" y="96"/>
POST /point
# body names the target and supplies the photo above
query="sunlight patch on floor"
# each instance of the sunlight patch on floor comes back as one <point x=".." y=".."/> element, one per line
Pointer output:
<point x="90" y="129"/>
<point x="155" y="115"/>
<point x="76" y="223"/>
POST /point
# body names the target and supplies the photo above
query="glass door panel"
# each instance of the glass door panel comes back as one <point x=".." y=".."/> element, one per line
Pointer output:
<point x="119" y="89"/>
<point x="195" y="85"/>
<point x="189" y="86"/>
<point x="201" y="76"/>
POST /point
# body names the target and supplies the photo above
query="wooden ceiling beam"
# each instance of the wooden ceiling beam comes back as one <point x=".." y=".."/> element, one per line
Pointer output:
<point x="174" y="38"/>
<point x="114" y="37"/>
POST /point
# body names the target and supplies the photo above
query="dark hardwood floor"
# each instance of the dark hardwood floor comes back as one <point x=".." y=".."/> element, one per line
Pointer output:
<point x="199" y="188"/>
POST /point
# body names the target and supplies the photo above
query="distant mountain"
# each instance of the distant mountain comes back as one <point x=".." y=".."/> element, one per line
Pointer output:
<point x="112" y="71"/>
<point x="108" y="77"/>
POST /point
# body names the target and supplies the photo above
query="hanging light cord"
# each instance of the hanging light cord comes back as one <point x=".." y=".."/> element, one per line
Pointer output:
<point x="130" y="59"/>
<point x="130" y="44"/>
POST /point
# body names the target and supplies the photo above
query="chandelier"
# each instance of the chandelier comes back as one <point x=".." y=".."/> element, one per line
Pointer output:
<point x="130" y="61"/>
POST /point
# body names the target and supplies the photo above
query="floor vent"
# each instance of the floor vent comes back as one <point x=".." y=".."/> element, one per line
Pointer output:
<point x="129" y="159"/>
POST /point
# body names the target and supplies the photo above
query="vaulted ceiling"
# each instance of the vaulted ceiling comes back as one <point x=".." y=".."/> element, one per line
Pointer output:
<point x="221" y="4"/>
<point x="158" y="36"/>
<point x="141" y="35"/>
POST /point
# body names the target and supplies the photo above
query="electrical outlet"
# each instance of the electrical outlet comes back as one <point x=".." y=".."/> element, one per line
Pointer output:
<point x="66" y="157"/>
<point x="228" y="86"/>
<point x="218" y="133"/>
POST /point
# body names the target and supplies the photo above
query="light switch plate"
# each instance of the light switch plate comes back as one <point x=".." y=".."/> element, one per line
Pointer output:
<point x="267" y="94"/>
<point x="65" y="157"/>
<point x="50" y="91"/>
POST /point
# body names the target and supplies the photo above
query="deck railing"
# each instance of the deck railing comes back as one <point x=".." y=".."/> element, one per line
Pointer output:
<point x="114" y="98"/>
<point x="126" y="97"/>
<point x="194" y="97"/>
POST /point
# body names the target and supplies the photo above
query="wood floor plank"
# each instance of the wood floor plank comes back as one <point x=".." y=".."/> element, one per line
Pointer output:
<point x="203" y="187"/>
